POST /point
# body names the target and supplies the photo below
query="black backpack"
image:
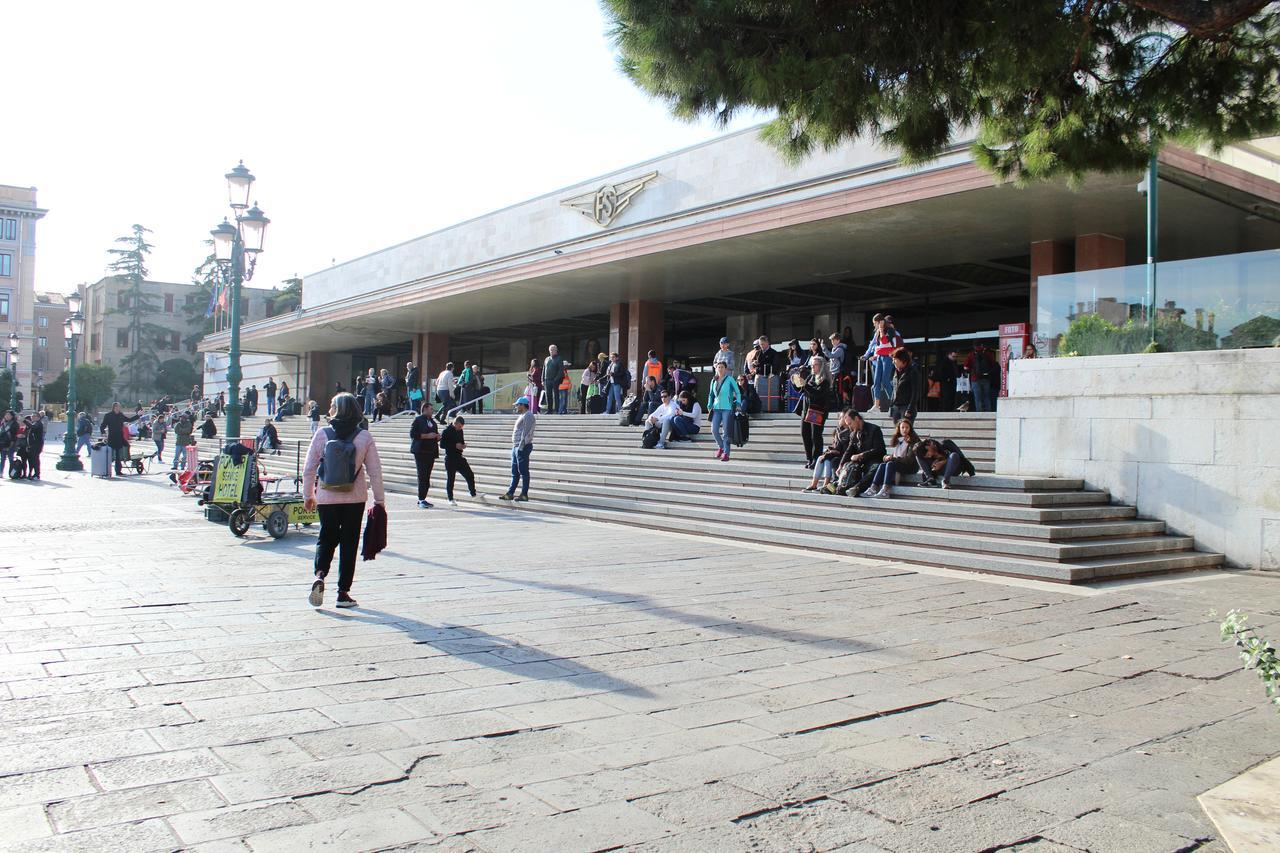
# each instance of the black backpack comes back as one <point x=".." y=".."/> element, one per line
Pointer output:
<point x="650" y="437"/>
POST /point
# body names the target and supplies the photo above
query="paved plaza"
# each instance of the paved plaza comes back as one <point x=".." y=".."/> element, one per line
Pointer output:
<point x="520" y="682"/>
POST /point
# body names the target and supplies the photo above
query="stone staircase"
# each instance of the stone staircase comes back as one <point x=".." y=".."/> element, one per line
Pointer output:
<point x="588" y="467"/>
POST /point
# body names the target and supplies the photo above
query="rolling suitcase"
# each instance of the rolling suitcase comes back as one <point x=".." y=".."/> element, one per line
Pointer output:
<point x="769" y="389"/>
<point x="739" y="429"/>
<point x="100" y="461"/>
<point x="595" y="404"/>
<point x="862" y="388"/>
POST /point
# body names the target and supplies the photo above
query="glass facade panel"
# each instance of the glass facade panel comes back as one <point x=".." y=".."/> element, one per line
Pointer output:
<point x="1224" y="302"/>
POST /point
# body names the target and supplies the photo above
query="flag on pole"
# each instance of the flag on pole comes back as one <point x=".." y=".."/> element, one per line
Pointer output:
<point x="213" y="302"/>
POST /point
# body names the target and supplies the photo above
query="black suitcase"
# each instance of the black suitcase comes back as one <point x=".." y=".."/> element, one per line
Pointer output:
<point x="595" y="404"/>
<point x="862" y="388"/>
<point x="739" y="429"/>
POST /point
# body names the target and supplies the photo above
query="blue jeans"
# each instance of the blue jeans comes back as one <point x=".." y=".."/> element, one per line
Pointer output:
<point x="84" y="441"/>
<point x="562" y="401"/>
<point x="179" y="456"/>
<point x="882" y="379"/>
<point x="613" y="403"/>
<point x="981" y="396"/>
<point x="720" y="427"/>
<point x="271" y="405"/>
<point x="520" y="469"/>
<point x="368" y="404"/>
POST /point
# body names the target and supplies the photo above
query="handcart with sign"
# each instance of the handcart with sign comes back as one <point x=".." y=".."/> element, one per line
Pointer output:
<point x="238" y="489"/>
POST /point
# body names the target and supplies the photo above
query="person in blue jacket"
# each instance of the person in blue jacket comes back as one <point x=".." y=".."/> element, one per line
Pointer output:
<point x="722" y="398"/>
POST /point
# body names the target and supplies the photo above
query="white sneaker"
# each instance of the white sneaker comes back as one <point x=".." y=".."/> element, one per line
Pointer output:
<point x="480" y="496"/>
<point x="452" y="502"/>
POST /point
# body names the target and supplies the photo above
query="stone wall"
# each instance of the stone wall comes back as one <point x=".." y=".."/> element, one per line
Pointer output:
<point x="1188" y="438"/>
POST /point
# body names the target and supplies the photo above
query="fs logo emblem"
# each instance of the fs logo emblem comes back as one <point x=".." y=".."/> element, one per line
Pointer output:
<point x="607" y="203"/>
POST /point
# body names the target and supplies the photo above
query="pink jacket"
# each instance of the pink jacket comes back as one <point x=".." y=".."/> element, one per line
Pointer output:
<point x="368" y="469"/>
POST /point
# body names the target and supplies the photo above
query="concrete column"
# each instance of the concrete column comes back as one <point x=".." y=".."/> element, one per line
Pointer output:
<point x="741" y="330"/>
<point x="319" y="380"/>
<point x="646" y="321"/>
<point x="1048" y="257"/>
<point x="1098" y="252"/>
<point x="619" y="328"/>
<point x="430" y="353"/>
<point x="518" y="358"/>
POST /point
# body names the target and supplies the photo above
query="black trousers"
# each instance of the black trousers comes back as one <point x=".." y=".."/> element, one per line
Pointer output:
<point x="812" y="435"/>
<point x="34" y="456"/>
<point x="339" y="530"/>
<point x="424" y="463"/>
<point x="453" y="465"/>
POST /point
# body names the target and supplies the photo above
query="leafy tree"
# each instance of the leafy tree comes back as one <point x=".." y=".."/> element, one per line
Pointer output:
<point x="93" y="386"/>
<point x="6" y="387"/>
<point x="289" y="298"/>
<point x="130" y="265"/>
<point x="205" y="278"/>
<point x="1052" y="87"/>
<point x="175" y="378"/>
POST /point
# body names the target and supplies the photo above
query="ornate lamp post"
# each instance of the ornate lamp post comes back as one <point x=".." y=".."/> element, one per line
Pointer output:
<point x="13" y="370"/>
<point x="236" y="249"/>
<point x="1151" y="46"/>
<point x="73" y="329"/>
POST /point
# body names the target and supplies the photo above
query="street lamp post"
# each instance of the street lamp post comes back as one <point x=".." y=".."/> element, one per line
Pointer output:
<point x="73" y="328"/>
<point x="13" y="371"/>
<point x="1151" y="46"/>
<point x="236" y="248"/>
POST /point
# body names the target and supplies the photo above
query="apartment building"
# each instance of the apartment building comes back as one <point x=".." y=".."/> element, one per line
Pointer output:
<point x="19" y="214"/>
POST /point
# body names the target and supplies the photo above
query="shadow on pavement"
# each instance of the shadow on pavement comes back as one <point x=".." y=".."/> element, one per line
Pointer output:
<point x="488" y="650"/>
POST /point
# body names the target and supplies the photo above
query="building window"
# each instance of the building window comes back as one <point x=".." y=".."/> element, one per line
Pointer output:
<point x="4" y="306"/>
<point x="175" y="341"/>
<point x="9" y="229"/>
<point x="43" y="321"/>
<point x="6" y="264"/>
<point x="94" y="340"/>
<point x="168" y="303"/>
<point x="122" y="338"/>
<point x="42" y="341"/>
<point x="122" y="299"/>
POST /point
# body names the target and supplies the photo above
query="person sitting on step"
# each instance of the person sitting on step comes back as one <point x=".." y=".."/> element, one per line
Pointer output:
<point x="941" y="458"/>
<point x="668" y="410"/>
<point x="833" y="457"/>
<point x="901" y="459"/>
<point x="686" y="424"/>
<point x="653" y="397"/>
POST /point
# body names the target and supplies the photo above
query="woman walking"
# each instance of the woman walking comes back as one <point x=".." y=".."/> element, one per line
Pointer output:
<point x="722" y="398"/>
<point x="424" y="444"/>
<point x="342" y="464"/>
<point x="813" y="409"/>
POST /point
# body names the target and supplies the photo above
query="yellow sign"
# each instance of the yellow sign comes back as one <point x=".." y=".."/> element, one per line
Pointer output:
<point x="228" y="480"/>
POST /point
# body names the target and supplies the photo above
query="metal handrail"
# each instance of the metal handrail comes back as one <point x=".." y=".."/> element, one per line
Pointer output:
<point x="449" y="415"/>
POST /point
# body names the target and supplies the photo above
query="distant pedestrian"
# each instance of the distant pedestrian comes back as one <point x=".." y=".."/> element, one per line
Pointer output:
<point x="521" y="449"/>
<point x="208" y="429"/>
<point x="159" y="432"/>
<point x="424" y="444"/>
<point x="453" y="443"/>
<point x="413" y="386"/>
<point x="619" y="379"/>
<point x="313" y="415"/>
<point x="554" y="370"/>
<point x="8" y="439"/>
<point x="368" y="391"/>
<point x="35" y="443"/>
<point x="84" y="433"/>
<point x="984" y="377"/>
<point x="533" y="391"/>
<point x="444" y="389"/>
<point x="113" y="424"/>
<point x="724" y="354"/>
<point x="270" y="390"/>
<point x="342" y="464"/>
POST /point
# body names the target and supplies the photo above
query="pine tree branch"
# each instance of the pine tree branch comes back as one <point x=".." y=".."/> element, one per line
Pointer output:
<point x="1203" y="18"/>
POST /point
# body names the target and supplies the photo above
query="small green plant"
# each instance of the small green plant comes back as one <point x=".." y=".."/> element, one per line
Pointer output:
<point x="1255" y="653"/>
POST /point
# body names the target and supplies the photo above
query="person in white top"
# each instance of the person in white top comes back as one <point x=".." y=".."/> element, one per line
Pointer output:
<point x="444" y="389"/>
<point x="685" y="419"/>
<point x="661" y="418"/>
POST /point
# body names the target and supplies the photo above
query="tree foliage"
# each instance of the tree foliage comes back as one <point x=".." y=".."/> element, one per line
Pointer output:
<point x="93" y="386"/>
<point x="1051" y="87"/>
<point x="205" y="277"/>
<point x="1090" y="334"/>
<point x="175" y="377"/>
<point x="288" y="298"/>
<point x="130" y="265"/>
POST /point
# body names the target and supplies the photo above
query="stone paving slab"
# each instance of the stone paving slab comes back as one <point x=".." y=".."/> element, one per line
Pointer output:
<point x="521" y="682"/>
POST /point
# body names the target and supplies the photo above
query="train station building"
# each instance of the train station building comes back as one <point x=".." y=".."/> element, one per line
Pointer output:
<point x="727" y="238"/>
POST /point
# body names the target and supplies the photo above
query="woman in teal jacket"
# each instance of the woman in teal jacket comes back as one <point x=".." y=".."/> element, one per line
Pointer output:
<point x="722" y="398"/>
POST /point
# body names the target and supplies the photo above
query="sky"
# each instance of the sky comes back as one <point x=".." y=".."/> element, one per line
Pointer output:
<point x="365" y="124"/>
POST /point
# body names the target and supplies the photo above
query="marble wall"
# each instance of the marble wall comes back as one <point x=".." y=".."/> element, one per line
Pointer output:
<point x="1185" y="437"/>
